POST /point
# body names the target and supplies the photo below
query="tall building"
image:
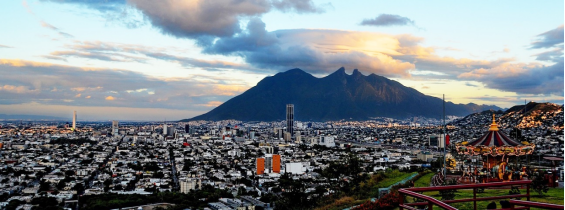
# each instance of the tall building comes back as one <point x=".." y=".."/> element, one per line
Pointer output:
<point x="187" y="128"/>
<point x="115" y="127"/>
<point x="74" y="120"/>
<point x="260" y="166"/>
<point x="164" y="129"/>
<point x="276" y="163"/>
<point x="290" y="118"/>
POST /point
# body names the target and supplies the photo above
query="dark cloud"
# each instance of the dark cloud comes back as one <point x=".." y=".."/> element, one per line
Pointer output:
<point x="388" y="20"/>
<point x="549" y="39"/>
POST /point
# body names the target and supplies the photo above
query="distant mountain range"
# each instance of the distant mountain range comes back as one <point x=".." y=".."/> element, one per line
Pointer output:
<point x="30" y="117"/>
<point x="334" y="97"/>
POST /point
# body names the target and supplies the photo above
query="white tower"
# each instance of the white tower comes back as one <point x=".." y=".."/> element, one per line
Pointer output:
<point x="74" y="120"/>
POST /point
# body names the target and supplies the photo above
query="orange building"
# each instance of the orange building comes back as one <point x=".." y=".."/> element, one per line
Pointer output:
<point x="260" y="166"/>
<point x="277" y="163"/>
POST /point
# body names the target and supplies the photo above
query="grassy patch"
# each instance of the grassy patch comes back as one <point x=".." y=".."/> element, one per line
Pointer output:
<point x="393" y="178"/>
<point x="424" y="181"/>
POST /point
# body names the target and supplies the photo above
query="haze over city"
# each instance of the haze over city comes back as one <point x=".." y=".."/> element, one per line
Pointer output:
<point x="157" y="60"/>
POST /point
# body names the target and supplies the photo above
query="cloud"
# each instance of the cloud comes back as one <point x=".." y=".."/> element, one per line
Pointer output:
<point x="51" y="84"/>
<point x="5" y="46"/>
<point x="521" y="78"/>
<point x="388" y="20"/>
<point x="114" y="52"/>
<point x="470" y="84"/>
<point x="212" y="104"/>
<point x="554" y="55"/>
<point x="197" y="18"/>
<point x="317" y="51"/>
<point x="549" y="39"/>
<point x="106" y="5"/>
<point x="45" y="24"/>
<point x="298" y="6"/>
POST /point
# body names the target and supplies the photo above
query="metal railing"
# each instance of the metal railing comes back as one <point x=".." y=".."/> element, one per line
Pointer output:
<point x="430" y="201"/>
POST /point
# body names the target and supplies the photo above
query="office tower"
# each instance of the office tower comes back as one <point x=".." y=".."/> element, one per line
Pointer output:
<point x="164" y="129"/>
<point x="276" y="163"/>
<point x="187" y="128"/>
<point x="115" y="127"/>
<point x="74" y="120"/>
<point x="260" y="166"/>
<point x="290" y="118"/>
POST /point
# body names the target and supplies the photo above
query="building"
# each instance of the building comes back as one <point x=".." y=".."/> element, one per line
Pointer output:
<point x="276" y="163"/>
<point x="164" y="129"/>
<point x="171" y="130"/>
<point x="436" y="141"/>
<point x="74" y="120"/>
<point x="187" y="128"/>
<point x="189" y="184"/>
<point x="297" y="137"/>
<point x="295" y="168"/>
<point x="115" y="127"/>
<point x="290" y="118"/>
<point x="287" y="136"/>
<point x="327" y="141"/>
<point x="425" y="156"/>
<point x="260" y="166"/>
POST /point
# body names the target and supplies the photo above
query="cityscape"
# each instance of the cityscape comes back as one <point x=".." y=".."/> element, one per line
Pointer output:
<point x="281" y="104"/>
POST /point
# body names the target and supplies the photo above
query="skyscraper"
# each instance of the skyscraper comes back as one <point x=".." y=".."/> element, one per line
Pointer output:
<point x="164" y="129"/>
<point x="187" y="128"/>
<point x="115" y="127"/>
<point x="290" y="118"/>
<point x="74" y="120"/>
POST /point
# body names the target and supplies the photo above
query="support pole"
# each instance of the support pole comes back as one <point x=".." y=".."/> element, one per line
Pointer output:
<point x="444" y="145"/>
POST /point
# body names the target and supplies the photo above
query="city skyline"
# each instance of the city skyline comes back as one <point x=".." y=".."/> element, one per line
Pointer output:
<point x="117" y="59"/>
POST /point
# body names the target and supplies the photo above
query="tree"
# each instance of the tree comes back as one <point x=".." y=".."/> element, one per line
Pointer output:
<point x="62" y="184"/>
<point x="79" y="188"/>
<point x="539" y="184"/>
<point x="44" y="186"/>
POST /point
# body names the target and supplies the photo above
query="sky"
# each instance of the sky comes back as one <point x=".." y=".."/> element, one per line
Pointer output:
<point x="175" y="59"/>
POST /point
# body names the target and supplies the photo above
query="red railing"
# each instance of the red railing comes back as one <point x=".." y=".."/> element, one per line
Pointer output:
<point x="430" y="202"/>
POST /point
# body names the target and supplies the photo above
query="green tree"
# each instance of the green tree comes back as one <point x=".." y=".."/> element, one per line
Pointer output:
<point x="539" y="184"/>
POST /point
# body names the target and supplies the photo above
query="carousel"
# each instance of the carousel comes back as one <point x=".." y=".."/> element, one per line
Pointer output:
<point x="492" y="153"/>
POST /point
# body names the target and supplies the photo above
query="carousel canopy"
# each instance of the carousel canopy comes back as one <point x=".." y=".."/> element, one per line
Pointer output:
<point x="494" y="138"/>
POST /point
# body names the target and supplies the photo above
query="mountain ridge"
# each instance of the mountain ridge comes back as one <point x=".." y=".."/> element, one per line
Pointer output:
<point x="334" y="97"/>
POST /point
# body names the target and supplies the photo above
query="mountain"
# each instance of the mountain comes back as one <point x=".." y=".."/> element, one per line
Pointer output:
<point x="334" y="97"/>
